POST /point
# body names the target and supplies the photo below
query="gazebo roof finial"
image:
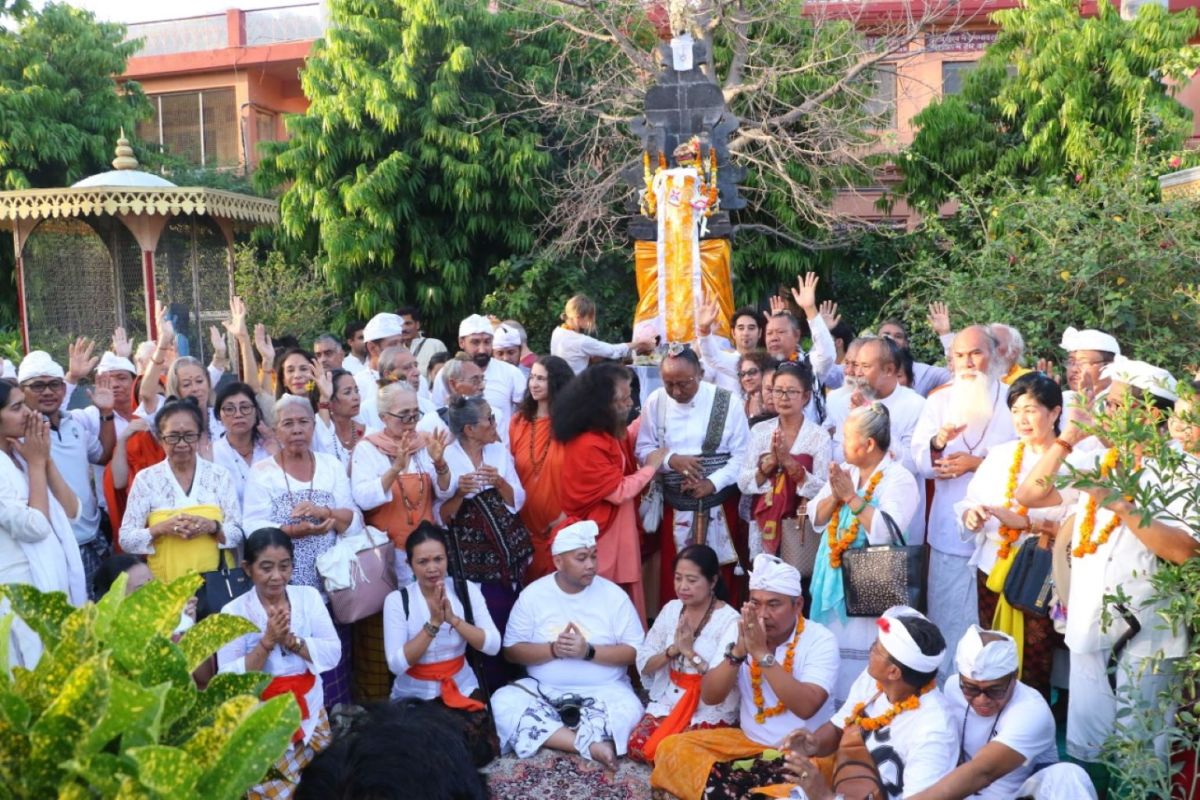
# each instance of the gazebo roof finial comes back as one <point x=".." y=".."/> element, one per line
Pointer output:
<point x="125" y="158"/>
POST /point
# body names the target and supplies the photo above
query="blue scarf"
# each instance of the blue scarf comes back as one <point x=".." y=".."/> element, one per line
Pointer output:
<point x="828" y="596"/>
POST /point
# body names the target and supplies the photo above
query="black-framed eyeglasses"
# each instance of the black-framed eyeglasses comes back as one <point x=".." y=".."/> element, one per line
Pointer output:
<point x="175" y="438"/>
<point x="244" y="410"/>
<point x="749" y="373"/>
<point x="41" y="386"/>
<point x="971" y="690"/>
<point x="408" y="417"/>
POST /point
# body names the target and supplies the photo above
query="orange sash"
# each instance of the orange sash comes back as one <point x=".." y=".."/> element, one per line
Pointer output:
<point x="681" y="715"/>
<point x="299" y="686"/>
<point x="444" y="672"/>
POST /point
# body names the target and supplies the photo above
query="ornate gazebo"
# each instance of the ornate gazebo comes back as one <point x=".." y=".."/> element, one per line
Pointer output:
<point x="108" y="250"/>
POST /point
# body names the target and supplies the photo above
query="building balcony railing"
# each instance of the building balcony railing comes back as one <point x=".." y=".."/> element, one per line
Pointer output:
<point x="234" y="28"/>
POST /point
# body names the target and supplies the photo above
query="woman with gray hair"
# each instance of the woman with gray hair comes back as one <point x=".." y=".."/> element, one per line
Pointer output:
<point x="488" y="542"/>
<point x="307" y="495"/>
<point x="851" y="510"/>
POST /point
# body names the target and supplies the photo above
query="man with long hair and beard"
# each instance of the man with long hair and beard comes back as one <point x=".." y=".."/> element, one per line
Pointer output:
<point x="957" y="426"/>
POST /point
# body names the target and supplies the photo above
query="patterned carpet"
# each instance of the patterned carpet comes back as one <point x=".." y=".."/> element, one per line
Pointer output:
<point x="565" y="777"/>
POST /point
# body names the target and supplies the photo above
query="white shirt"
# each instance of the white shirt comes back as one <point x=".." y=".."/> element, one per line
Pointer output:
<point x="1025" y="725"/>
<point x="398" y="630"/>
<point x="602" y="612"/>
<point x="310" y="621"/>
<point x="904" y="411"/>
<point x="494" y="455"/>
<point x="823" y="355"/>
<point x="927" y="377"/>
<point x="423" y="349"/>
<point x="918" y="748"/>
<point x="721" y="362"/>
<point x="272" y="494"/>
<point x="989" y="487"/>
<point x="48" y="546"/>
<point x="352" y="364"/>
<point x="155" y="488"/>
<point x="237" y="467"/>
<point x="90" y="419"/>
<point x="811" y="440"/>
<point x="896" y="496"/>
<point x="1125" y="563"/>
<point x="367" y="380"/>
<point x="709" y="645"/>
<point x="685" y="426"/>
<point x="816" y="661"/>
<point x="504" y="388"/>
<point x="74" y="449"/>
<point x="943" y="527"/>
<point x="367" y="467"/>
<point x="577" y="348"/>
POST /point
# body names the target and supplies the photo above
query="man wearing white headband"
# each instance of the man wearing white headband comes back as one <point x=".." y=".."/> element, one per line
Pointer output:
<point x="1006" y="730"/>
<point x="76" y="441"/>
<point x="1088" y="352"/>
<point x="506" y="345"/>
<point x="1117" y="651"/>
<point x="503" y="384"/>
<point x="576" y="634"/>
<point x="897" y="707"/>
<point x="784" y="668"/>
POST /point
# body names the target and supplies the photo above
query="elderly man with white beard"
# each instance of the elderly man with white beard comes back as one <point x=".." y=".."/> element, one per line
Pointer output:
<point x="876" y="376"/>
<point x="1010" y="348"/>
<point x="956" y="428"/>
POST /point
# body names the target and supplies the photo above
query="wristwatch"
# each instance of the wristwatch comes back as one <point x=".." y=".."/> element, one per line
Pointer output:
<point x="590" y="654"/>
<point x="733" y="660"/>
<point x="766" y="661"/>
<point x="696" y="660"/>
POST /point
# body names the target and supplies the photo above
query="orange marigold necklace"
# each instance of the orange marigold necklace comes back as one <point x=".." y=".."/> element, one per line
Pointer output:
<point x="1009" y="536"/>
<point x="840" y="544"/>
<point x="1086" y="545"/>
<point x="883" y="720"/>
<point x="761" y="714"/>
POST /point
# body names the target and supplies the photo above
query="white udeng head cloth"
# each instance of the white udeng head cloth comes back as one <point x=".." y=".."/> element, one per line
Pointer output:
<point x="1141" y="375"/>
<point x="574" y="536"/>
<point x="474" y="325"/>
<point x="1089" y="339"/>
<point x="771" y="574"/>
<point x="506" y="337"/>
<point x="38" y="364"/>
<point x="985" y="662"/>
<point x="111" y="362"/>
<point x="896" y="639"/>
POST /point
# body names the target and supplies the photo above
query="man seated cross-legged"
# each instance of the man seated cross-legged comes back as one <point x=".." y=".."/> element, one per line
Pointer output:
<point x="576" y="633"/>
<point x="784" y="667"/>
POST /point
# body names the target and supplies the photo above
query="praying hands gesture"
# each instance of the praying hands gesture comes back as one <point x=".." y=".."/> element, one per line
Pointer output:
<point x="80" y="361"/>
<point x="685" y="639"/>
<point x="805" y="294"/>
<point x="34" y="448"/>
<point x="439" y="606"/>
<point x="279" y="630"/>
<point x="752" y="635"/>
<point x="184" y="526"/>
<point x="841" y="484"/>
<point x="570" y="643"/>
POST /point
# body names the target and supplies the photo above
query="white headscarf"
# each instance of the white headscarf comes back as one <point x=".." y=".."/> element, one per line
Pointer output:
<point x="899" y="643"/>
<point x="38" y="364"/>
<point x="1141" y="375"/>
<point x="771" y="574"/>
<point x="111" y="362"/>
<point x="1089" y="339"/>
<point x="575" y="536"/>
<point x="986" y="662"/>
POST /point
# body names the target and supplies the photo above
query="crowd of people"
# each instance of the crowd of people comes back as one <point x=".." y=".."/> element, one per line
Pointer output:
<point x="590" y="565"/>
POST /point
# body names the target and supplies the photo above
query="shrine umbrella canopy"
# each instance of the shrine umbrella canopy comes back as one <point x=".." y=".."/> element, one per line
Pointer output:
<point x="108" y="250"/>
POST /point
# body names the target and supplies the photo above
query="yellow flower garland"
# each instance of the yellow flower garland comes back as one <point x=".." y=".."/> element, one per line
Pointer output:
<point x="763" y="714"/>
<point x="839" y="545"/>
<point x="1086" y="545"/>
<point x="883" y="720"/>
<point x="1009" y="536"/>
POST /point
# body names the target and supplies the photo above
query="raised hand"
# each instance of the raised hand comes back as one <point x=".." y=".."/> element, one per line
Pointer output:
<point x="236" y="324"/>
<point x="80" y="362"/>
<point x="1046" y="366"/>
<point x="262" y="343"/>
<point x="166" y="331"/>
<point x="805" y="293"/>
<point x="829" y="313"/>
<point x="121" y="345"/>
<point x="220" y="350"/>
<point x="946" y="434"/>
<point x="939" y="318"/>
<point x="710" y="309"/>
<point x="323" y="382"/>
<point x="102" y="394"/>
<point x="436" y="445"/>
<point x="777" y="304"/>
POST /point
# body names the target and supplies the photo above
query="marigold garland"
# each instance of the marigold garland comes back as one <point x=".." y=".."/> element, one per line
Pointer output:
<point x="1086" y="545"/>
<point x="761" y="715"/>
<point x="883" y="720"/>
<point x="1009" y="536"/>
<point x="839" y="545"/>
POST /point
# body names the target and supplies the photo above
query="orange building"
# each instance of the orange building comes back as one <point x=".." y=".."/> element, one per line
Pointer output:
<point x="221" y="83"/>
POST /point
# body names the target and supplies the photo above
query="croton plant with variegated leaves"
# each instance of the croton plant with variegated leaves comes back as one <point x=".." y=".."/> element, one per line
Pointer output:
<point x="111" y="711"/>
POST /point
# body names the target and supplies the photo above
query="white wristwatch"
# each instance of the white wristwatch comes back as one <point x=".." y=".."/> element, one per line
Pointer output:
<point x="766" y="661"/>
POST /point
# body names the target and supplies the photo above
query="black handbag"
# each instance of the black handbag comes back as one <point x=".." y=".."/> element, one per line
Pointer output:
<point x="877" y="577"/>
<point x="1030" y="581"/>
<point x="220" y="586"/>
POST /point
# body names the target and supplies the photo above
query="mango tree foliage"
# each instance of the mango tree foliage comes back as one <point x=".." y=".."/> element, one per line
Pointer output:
<point x="408" y="175"/>
<point x="61" y="108"/>
<point x="1058" y="94"/>
<point x="111" y="709"/>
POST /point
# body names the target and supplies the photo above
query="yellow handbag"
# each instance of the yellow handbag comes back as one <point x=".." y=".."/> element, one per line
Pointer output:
<point x="174" y="556"/>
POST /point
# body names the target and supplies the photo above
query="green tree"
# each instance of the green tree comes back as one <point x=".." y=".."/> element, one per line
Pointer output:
<point x="1058" y="94"/>
<point x="409" y="177"/>
<point x="286" y="295"/>
<point x="1100" y="254"/>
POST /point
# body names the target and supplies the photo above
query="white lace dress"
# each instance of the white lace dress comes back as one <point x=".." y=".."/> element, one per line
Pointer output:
<point x="663" y="693"/>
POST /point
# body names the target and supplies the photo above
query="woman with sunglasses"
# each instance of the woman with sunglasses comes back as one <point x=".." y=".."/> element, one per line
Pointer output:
<point x="397" y="474"/>
<point x="750" y="370"/>
<point x="184" y="510"/>
<point x="247" y="439"/>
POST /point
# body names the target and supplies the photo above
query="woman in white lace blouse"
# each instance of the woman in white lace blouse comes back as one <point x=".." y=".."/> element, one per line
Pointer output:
<point x="678" y="650"/>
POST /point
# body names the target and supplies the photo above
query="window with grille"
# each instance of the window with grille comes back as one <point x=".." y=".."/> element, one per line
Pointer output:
<point x="199" y="127"/>
<point x="953" y="75"/>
